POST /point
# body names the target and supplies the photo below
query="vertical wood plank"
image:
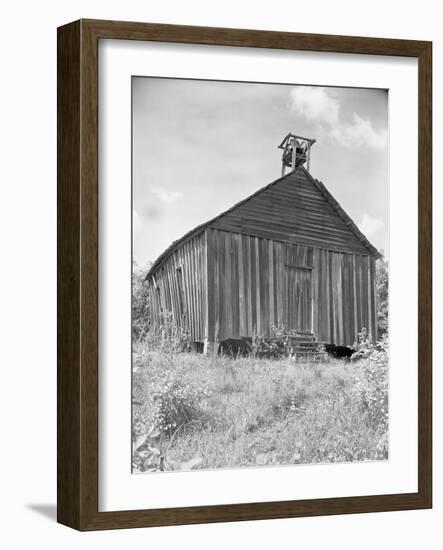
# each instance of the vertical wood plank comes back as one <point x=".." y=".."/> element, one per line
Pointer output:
<point x="280" y="287"/>
<point x="216" y="317"/>
<point x="289" y="322"/>
<point x="346" y="300"/>
<point x="188" y="289"/>
<point x="275" y="277"/>
<point x="241" y="277"/>
<point x="340" y="298"/>
<point x="208" y="286"/>
<point x="360" y="293"/>
<point x="354" y="299"/>
<point x="169" y="292"/>
<point x="367" y="296"/>
<point x="191" y="290"/>
<point x="271" y="282"/>
<point x="264" y="286"/>
<point x="322" y="298"/>
<point x="192" y="273"/>
<point x="175" y="289"/>
<point x="257" y="285"/>
<point x="335" y="297"/>
<point x="253" y="285"/>
<point x="331" y="311"/>
<point x="200" y="277"/>
<point x="197" y="274"/>
<point x="222" y="278"/>
<point x="235" y="331"/>
<point x="374" y="300"/>
<point x="371" y="301"/>
<point x="314" y="301"/>
<point x="227" y="294"/>
<point x="248" y="265"/>
<point x="204" y="285"/>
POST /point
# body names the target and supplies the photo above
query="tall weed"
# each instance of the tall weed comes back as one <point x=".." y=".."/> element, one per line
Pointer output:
<point x="371" y="381"/>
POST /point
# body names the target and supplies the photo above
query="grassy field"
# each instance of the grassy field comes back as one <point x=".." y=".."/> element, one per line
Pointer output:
<point x="193" y="411"/>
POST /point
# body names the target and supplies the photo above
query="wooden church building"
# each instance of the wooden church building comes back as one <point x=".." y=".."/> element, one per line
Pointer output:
<point x="286" y="255"/>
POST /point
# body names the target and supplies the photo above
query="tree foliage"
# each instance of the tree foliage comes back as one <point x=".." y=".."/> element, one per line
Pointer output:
<point x="140" y="301"/>
<point x="382" y="289"/>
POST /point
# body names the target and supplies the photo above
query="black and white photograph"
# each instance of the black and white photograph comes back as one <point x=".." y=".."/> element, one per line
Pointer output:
<point x="220" y="285"/>
<point x="260" y="254"/>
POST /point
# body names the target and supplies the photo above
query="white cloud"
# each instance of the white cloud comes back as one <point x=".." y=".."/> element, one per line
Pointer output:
<point x="319" y="107"/>
<point x="358" y="134"/>
<point x="166" y="195"/>
<point x="369" y="225"/>
<point x="315" y="105"/>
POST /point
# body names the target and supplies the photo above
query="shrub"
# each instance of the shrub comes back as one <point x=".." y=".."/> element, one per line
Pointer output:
<point x="371" y="380"/>
<point x="177" y="403"/>
<point x="262" y="347"/>
<point x="140" y="302"/>
<point x="382" y="290"/>
<point x="167" y="402"/>
<point x="150" y="453"/>
<point x="169" y="338"/>
<point x="281" y="337"/>
<point x="146" y="453"/>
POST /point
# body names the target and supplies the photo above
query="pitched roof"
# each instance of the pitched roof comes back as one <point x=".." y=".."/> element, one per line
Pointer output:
<point x="320" y="187"/>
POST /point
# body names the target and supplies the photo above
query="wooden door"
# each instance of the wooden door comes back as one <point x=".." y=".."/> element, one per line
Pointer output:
<point x="299" y="299"/>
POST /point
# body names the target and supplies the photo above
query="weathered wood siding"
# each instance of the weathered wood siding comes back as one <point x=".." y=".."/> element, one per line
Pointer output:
<point x="179" y="286"/>
<point x="254" y="283"/>
<point x="293" y="209"/>
<point x="287" y="255"/>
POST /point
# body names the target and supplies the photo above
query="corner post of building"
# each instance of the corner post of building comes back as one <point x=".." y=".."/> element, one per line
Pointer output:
<point x="210" y="348"/>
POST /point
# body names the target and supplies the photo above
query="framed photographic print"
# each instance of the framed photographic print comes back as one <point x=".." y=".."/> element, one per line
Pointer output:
<point x="244" y="275"/>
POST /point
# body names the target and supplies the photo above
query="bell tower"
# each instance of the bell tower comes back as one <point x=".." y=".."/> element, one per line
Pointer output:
<point x="296" y="152"/>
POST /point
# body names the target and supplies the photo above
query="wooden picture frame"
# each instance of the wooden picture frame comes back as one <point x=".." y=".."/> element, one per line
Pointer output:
<point x="77" y="455"/>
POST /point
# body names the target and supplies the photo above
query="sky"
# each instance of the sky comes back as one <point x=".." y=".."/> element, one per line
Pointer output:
<point x="201" y="146"/>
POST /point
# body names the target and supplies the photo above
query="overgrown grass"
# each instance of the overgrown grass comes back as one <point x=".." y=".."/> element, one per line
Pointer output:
<point x="193" y="411"/>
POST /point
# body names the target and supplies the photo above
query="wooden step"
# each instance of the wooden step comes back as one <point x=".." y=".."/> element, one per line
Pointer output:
<point x="306" y="348"/>
<point x="305" y="344"/>
<point x="303" y="337"/>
